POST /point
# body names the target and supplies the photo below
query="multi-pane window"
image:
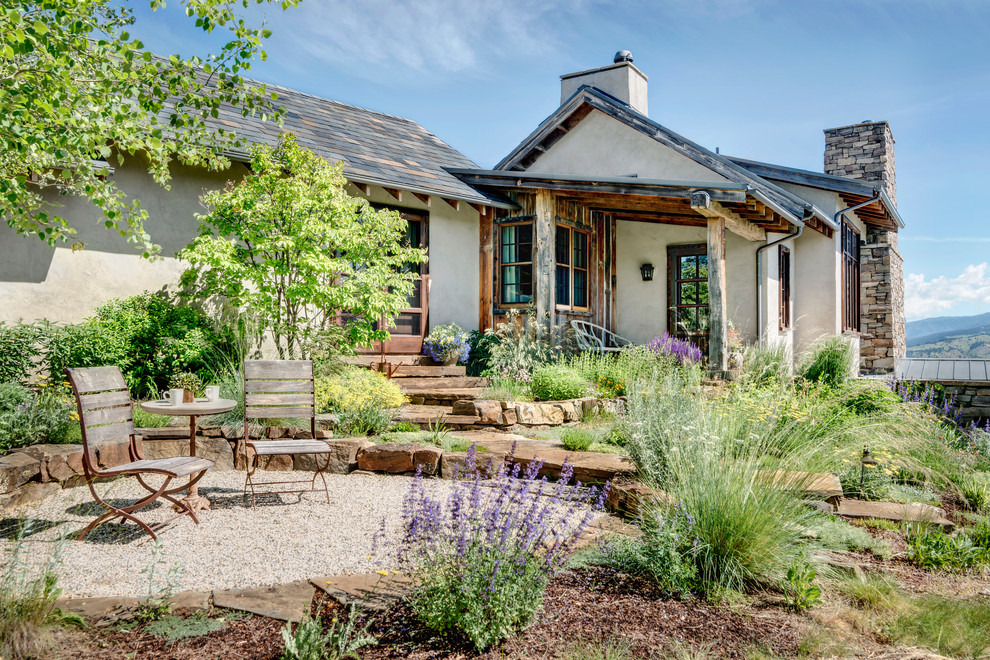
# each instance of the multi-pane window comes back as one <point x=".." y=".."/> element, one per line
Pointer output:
<point x="687" y="267"/>
<point x="850" y="278"/>
<point x="572" y="268"/>
<point x="784" y="276"/>
<point x="516" y="263"/>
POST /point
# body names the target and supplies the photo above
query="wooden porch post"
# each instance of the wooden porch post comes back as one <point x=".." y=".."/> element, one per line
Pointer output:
<point x="718" y="330"/>
<point x="486" y="276"/>
<point x="545" y="245"/>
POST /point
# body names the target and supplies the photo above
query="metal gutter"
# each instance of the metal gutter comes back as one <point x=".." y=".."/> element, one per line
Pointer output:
<point x="877" y="195"/>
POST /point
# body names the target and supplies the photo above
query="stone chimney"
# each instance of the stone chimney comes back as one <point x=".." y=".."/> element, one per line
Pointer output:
<point x="620" y="79"/>
<point x="863" y="151"/>
<point x="866" y="151"/>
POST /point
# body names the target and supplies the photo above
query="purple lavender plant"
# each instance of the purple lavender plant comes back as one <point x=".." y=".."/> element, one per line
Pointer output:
<point x="485" y="555"/>
<point x="681" y="350"/>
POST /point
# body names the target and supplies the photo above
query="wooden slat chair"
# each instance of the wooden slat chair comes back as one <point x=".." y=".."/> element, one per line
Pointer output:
<point x="105" y="415"/>
<point x="591" y="337"/>
<point x="281" y="389"/>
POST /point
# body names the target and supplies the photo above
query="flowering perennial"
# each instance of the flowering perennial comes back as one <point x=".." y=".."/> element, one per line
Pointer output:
<point x="489" y="550"/>
<point x="446" y="341"/>
<point x="681" y="350"/>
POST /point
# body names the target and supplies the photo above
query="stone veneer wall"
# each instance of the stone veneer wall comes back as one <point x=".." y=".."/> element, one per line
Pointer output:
<point x="972" y="399"/>
<point x="884" y="339"/>
<point x="866" y="151"/>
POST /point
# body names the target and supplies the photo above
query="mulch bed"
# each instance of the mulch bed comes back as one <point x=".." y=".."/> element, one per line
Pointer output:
<point x="593" y="604"/>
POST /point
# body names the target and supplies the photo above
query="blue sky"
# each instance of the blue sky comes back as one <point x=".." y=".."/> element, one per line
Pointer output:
<point x="759" y="79"/>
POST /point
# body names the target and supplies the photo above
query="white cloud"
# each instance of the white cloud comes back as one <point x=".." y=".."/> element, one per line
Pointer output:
<point x="924" y="297"/>
<point x="438" y="36"/>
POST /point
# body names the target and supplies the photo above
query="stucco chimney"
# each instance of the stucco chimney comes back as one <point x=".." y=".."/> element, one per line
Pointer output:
<point x="863" y="151"/>
<point x="620" y="79"/>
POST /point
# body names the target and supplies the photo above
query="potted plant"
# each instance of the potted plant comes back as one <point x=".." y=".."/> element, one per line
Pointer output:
<point x="447" y="344"/>
<point x="189" y="383"/>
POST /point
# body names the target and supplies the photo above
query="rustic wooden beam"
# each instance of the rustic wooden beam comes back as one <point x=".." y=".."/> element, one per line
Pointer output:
<point x="480" y="208"/>
<point x="394" y="192"/>
<point x="545" y="230"/>
<point x="486" y="267"/>
<point x="426" y="199"/>
<point x="718" y="323"/>
<point x="363" y="187"/>
<point x="703" y="203"/>
<point x="453" y="203"/>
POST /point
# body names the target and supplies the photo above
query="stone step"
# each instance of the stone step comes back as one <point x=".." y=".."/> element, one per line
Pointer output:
<point x="436" y="371"/>
<point x="417" y="384"/>
<point x="897" y="511"/>
<point x="373" y="359"/>
<point x="445" y="397"/>
<point x="424" y="416"/>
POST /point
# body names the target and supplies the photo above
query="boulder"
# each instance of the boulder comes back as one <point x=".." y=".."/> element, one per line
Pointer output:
<point x="343" y="456"/>
<point x="16" y="470"/>
<point x="571" y="410"/>
<point x="509" y="417"/>
<point x="390" y="458"/>
<point x="463" y="407"/>
<point x="488" y="412"/>
<point x="427" y="459"/>
<point x="113" y="453"/>
<point x="233" y="432"/>
<point x="628" y="497"/>
<point x="57" y="462"/>
<point x="454" y="464"/>
<point x="533" y="414"/>
<point x="215" y="449"/>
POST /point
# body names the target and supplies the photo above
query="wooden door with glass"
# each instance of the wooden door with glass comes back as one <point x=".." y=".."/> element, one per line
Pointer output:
<point x="687" y="297"/>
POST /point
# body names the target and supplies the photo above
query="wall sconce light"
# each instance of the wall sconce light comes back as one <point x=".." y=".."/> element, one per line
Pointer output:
<point x="647" y="271"/>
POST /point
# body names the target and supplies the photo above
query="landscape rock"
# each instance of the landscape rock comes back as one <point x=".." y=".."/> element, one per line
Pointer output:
<point x="57" y="462"/>
<point x="16" y="470"/>
<point x="390" y="458"/>
<point x="533" y="414"/>
<point x="285" y="602"/>
<point x="509" y="417"/>
<point x="112" y="453"/>
<point x="215" y="449"/>
<point x="342" y="457"/>
<point x="427" y="459"/>
<point x="463" y="407"/>
<point x="371" y="592"/>
<point x="29" y="493"/>
<point x="454" y="464"/>
<point x="897" y="511"/>
<point x="628" y="497"/>
<point x="488" y="412"/>
<point x="233" y="432"/>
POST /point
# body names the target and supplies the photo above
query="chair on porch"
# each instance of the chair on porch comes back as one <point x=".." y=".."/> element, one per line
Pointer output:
<point x="105" y="416"/>
<point x="591" y="337"/>
<point x="281" y="389"/>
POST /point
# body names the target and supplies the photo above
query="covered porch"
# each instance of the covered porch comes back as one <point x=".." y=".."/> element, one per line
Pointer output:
<point x="635" y="256"/>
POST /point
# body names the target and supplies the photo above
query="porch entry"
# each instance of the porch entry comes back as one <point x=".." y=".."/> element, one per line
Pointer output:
<point x="687" y="293"/>
<point x="411" y="323"/>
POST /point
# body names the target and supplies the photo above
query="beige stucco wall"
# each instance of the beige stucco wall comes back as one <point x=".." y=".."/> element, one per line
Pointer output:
<point x="602" y="146"/>
<point x="770" y="317"/>
<point x="454" y="237"/>
<point x="38" y="281"/>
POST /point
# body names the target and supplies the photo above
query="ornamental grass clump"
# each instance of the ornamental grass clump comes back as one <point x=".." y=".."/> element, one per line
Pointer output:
<point x="485" y="555"/>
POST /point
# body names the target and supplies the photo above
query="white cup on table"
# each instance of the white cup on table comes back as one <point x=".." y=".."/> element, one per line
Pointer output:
<point x="174" y="397"/>
<point x="212" y="392"/>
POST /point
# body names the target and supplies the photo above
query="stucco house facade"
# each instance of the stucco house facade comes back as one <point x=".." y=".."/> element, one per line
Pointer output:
<point x="600" y="214"/>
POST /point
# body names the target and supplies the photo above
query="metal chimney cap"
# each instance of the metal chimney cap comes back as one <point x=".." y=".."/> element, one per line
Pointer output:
<point x="623" y="56"/>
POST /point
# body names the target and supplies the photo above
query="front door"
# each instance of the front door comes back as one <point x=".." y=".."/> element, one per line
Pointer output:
<point x="687" y="276"/>
<point x="410" y="324"/>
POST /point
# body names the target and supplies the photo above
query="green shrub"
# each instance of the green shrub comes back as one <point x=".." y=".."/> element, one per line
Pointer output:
<point x="366" y="420"/>
<point x="173" y="628"/>
<point x="618" y="435"/>
<point x="342" y="640"/>
<point x="17" y="348"/>
<point x="147" y="420"/>
<point x="932" y="549"/>
<point x="664" y="553"/>
<point x="800" y="590"/>
<point x="868" y="398"/>
<point x="555" y="382"/>
<point x="32" y="418"/>
<point x="404" y="426"/>
<point x="975" y="487"/>
<point x="829" y="363"/>
<point x="482" y="344"/>
<point x="577" y="439"/>
<point x="356" y="388"/>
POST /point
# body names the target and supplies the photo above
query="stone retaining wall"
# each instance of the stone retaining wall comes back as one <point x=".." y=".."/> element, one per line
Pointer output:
<point x="537" y="414"/>
<point x="972" y="399"/>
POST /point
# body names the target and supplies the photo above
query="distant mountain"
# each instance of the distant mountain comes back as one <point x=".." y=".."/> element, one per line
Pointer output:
<point x="950" y="337"/>
<point x="921" y="328"/>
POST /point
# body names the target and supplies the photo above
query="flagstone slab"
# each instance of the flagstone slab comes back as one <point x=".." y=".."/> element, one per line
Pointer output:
<point x="285" y="602"/>
<point x="371" y="592"/>
<point x="819" y="484"/>
<point x="95" y="609"/>
<point x="896" y="511"/>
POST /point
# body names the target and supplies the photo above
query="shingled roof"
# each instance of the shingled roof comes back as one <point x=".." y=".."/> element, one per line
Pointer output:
<point x="375" y="148"/>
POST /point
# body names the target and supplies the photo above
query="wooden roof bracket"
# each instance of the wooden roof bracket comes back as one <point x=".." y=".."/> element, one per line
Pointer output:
<point x="702" y="202"/>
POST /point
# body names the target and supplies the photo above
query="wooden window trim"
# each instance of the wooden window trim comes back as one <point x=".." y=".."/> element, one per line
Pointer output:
<point x="784" y="291"/>
<point x="570" y="231"/>
<point x="851" y="277"/>
<point x="502" y="264"/>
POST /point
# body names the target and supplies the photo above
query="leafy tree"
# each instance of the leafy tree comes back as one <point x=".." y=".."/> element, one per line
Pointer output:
<point x="78" y="93"/>
<point x="289" y="246"/>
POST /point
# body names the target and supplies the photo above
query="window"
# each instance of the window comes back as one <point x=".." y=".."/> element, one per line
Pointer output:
<point x="687" y="268"/>
<point x="516" y="263"/>
<point x="784" y="276"/>
<point x="572" y="268"/>
<point x="850" y="278"/>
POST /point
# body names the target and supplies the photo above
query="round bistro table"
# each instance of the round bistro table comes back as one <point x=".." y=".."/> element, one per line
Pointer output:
<point x="192" y="410"/>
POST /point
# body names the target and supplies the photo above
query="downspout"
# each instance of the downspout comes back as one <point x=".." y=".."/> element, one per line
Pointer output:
<point x="759" y="280"/>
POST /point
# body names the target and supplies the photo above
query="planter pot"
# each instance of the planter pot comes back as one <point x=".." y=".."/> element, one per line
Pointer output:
<point x="452" y="360"/>
<point x="188" y="396"/>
